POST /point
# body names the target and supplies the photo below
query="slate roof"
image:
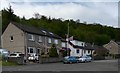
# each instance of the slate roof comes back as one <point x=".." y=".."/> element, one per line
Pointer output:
<point x="100" y="48"/>
<point x="76" y="46"/>
<point x="34" y="30"/>
<point x="88" y="46"/>
<point x="118" y="43"/>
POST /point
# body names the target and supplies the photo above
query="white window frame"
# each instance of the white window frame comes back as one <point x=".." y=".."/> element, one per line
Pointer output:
<point x="56" y="41"/>
<point x="12" y="37"/>
<point x="32" y="37"/>
<point x="31" y="48"/>
<point x="49" y="40"/>
<point x="40" y="39"/>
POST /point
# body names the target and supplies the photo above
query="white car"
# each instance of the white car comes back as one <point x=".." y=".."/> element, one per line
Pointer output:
<point x="85" y="59"/>
<point x="33" y="57"/>
<point x="16" y="55"/>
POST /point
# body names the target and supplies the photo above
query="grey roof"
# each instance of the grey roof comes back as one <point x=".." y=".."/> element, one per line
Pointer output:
<point x="88" y="46"/>
<point x="34" y="30"/>
<point x="100" y="48"/>
<point x="118" y="43"/>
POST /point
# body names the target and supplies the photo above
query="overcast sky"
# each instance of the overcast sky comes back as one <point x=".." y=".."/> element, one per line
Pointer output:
<point x="92" y="11"/>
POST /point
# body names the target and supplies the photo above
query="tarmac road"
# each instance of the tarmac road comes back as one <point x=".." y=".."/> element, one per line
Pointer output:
<point x="101" y="65"/>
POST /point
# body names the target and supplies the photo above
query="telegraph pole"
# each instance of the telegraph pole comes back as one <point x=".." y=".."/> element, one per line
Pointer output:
<point x="68" y="41"/>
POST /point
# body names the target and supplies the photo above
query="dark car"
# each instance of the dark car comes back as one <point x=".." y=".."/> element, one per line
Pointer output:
<point x="70" y="59"/>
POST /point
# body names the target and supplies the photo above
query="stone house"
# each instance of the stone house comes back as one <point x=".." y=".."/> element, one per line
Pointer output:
<point x="113" y="47"/>
<point x="28" y="39"/>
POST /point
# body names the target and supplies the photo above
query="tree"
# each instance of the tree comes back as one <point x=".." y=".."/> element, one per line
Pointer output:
<point x="8" y="16"/>
<point x="37" y="15"/>
<point x="53" y="51"/>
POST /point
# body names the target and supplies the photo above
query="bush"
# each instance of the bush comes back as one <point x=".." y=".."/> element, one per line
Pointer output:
<point x="64" y="53"/>
<point x="53" y="51"/>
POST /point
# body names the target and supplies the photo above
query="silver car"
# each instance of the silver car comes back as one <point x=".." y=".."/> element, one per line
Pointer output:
<point x="85" y="59"/>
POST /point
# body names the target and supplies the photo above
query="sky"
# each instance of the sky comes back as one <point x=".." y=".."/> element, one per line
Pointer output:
<point x="104" y="12"/>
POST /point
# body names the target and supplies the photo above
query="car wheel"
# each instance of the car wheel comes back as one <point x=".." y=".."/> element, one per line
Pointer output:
<point x="77" y="61"/>
<point x="70" y="62"/>
<point x="85" y="61"/>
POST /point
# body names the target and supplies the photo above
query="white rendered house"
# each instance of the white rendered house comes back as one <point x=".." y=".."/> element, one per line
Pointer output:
<point x="79" y="48"/>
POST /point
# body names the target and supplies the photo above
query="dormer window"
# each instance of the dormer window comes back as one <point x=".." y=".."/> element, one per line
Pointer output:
<point x="44" y="31"/>
<point x="51" y="33"/>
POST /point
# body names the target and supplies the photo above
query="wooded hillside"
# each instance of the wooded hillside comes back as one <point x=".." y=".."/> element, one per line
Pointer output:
<point x="92" y="33"/>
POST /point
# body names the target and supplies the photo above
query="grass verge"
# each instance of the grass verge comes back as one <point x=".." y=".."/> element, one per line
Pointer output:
<point x="4" y="63"/>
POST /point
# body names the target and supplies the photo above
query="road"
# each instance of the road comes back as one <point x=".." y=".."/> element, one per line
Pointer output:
<point x="102" y="65"/>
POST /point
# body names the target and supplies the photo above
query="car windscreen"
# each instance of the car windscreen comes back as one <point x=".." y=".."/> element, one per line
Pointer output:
<point x="21" y="54"/>
<point x="84" y="57"/>
<point x="12" y="54"/>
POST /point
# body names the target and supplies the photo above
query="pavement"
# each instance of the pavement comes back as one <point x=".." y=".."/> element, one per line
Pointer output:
<point x="99" y="65"/>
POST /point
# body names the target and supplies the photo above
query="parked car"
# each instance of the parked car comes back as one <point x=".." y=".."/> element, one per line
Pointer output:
<point x="70" y="59"/>
<point x="33" y="57"/>
<point x="85" y="59"/>
<point x="16" y="54"/>
<point x="4" y="53"/>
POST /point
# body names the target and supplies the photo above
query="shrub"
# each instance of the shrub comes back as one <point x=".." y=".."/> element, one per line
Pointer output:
<point x="53" y="51"/>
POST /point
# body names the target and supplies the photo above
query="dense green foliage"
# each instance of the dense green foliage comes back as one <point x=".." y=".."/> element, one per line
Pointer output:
<point x="53" y="51"/>
<point x="92" y="33"/>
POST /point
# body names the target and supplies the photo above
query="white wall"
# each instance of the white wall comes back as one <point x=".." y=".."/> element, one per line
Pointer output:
<point x="73" y="51"/>
<point x="86" y="52"/>
<point x="81" y="51"/>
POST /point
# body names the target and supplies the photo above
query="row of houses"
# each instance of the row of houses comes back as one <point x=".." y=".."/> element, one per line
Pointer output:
<point x="28" y="39"/>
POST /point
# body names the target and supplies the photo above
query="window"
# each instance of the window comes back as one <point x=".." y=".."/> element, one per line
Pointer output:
<point x="88" y="51"/>
<point x="63" y="44"/>
<point x="40" y="38"/>
<point x="44" y="31"/>
<point x="77" y="51"/>
<point x="49" y="40"/>
<point x="84" y="51"/>
<point x="30" y="50"/>
<point x="82" y="44"/>
<point x="56" y="41"/>
<point x="38" y="50"/>
<point x="51" y="33"/>
<point x="31" y="37"/>
<point x="11" y="38"/>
